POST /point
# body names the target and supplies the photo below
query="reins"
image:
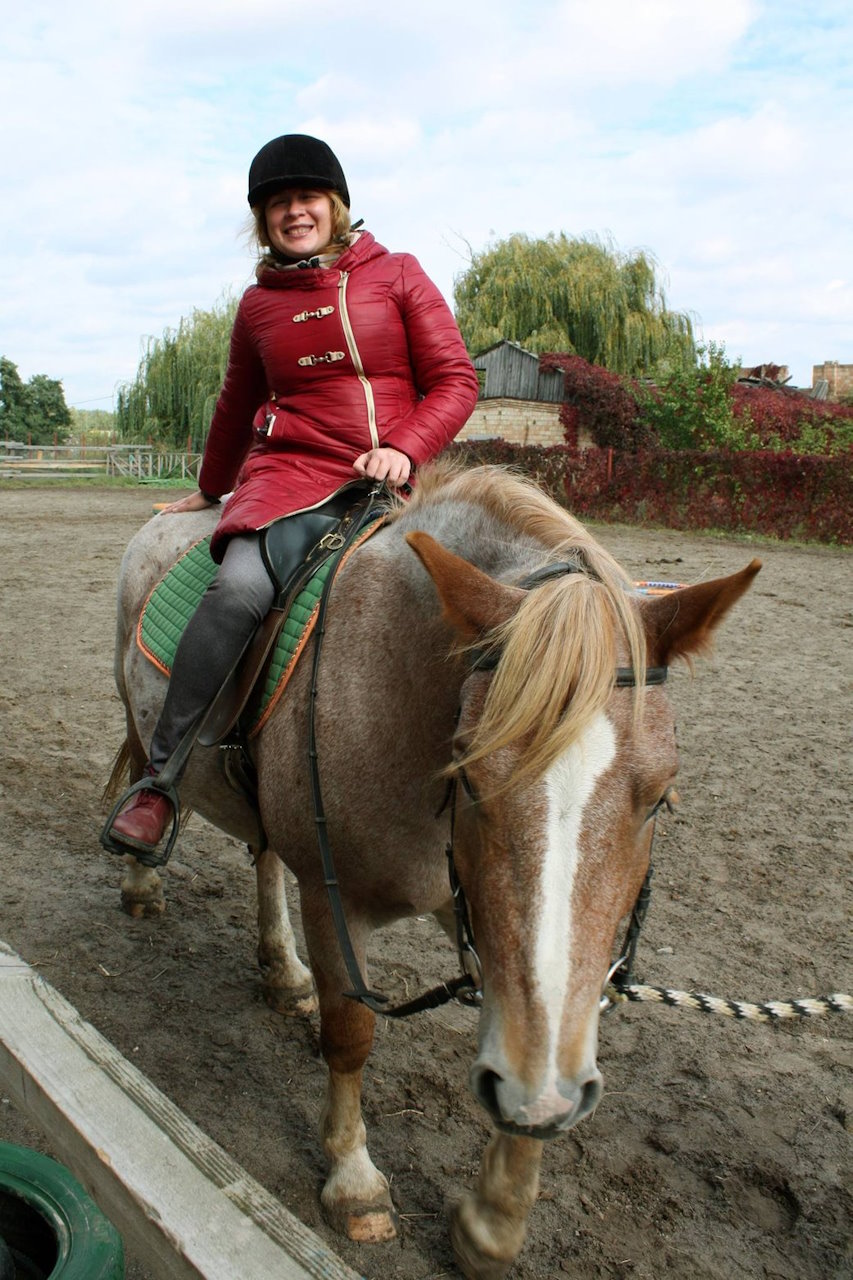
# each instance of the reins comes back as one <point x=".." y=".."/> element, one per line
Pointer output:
<point x="462" y="988"/>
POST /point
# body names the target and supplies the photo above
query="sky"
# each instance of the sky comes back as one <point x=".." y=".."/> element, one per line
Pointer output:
<point x="715" y="137"/>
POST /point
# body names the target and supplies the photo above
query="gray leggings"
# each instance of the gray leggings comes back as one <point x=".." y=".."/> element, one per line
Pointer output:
<point x="234" y="605"/>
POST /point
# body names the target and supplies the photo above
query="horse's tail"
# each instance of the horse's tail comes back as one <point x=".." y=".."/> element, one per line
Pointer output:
<point x="120" y="774"/>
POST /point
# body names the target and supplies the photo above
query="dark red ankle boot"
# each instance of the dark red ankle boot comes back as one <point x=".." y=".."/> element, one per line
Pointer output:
<point x="142" y="822"/>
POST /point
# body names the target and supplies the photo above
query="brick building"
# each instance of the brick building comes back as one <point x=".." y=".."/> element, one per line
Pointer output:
<point x="518" y="402"/>
<point x="838" y="377"/>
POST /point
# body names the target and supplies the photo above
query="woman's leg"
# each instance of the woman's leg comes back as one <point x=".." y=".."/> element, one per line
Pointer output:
<point x="229" y="613"/>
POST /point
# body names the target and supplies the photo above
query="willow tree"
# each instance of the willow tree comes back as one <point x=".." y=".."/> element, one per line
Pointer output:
<point x="174" y="393"/>
<point x="577" y="295"/>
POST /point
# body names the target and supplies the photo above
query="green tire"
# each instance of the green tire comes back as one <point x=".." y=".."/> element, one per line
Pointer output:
<point x="51" y="1227"/>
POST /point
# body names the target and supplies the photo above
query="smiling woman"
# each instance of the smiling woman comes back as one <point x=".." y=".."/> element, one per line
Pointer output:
<point x="298" y="223"/>
<point x="346" y="371"/>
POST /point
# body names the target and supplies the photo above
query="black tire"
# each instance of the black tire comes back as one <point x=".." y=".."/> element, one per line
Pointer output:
<point x="48" y="1224"/>
<point x="7" y="1262"/>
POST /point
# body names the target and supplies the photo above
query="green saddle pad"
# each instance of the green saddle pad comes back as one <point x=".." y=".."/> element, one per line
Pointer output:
<point x="176" y="596"/>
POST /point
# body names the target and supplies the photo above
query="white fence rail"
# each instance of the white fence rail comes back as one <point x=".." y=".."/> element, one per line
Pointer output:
<point x="140" y="462"/>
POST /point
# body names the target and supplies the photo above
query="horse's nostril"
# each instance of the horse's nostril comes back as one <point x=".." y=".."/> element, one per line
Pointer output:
<point x="590" y="1097"/>
<point x="484" y="1084"/>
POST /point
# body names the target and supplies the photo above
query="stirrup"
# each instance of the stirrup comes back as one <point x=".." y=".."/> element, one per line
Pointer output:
<point x="148" y="857"/>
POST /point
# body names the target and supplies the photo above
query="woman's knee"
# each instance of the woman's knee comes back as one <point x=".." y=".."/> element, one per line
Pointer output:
<point x="242" y="587"/>
<point x="243" y="566"/>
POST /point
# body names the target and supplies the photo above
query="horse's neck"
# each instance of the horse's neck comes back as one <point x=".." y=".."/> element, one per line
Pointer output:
<point x="477" y="536"/>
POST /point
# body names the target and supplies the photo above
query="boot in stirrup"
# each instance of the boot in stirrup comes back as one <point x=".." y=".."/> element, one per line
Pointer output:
<point x="139" y="822"/>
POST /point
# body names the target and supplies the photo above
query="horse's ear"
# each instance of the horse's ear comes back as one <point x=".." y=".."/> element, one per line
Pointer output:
<point x="472" y="601"/>
<point x="683" y="622"/>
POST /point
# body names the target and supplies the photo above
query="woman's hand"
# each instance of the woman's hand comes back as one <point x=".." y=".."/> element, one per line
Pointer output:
<point x="190" y="502"/>
<point x="384" y="463"/>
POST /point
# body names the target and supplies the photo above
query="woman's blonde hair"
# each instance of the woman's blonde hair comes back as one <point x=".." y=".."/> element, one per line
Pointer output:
<point x="259" y="236"/>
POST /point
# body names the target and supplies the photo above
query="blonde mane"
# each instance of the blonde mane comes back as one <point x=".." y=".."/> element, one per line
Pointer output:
<point x="560" y="649"/>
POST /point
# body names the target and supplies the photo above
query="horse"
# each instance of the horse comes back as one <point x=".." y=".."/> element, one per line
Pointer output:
<point x="499" y="682"/>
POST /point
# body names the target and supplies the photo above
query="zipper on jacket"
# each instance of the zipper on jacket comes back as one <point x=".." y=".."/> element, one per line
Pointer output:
<point x="356" y="360"/>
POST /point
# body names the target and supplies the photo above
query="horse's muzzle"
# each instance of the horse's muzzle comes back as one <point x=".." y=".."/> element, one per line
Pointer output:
<point x="551" y="1113"/>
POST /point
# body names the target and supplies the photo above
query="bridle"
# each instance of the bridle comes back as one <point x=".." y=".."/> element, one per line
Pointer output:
<point x="466" y="988"/>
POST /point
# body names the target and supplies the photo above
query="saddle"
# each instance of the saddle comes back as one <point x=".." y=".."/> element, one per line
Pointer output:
<point x="299" y="552"/>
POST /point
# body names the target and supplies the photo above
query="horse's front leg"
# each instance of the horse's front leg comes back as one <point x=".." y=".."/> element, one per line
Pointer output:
<point x="489" y="1226"/>
<point x="355" y="1199"/>
<point x="288" y="985"/>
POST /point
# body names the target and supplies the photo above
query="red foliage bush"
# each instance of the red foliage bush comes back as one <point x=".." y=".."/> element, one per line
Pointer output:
<point x="612" y="411"/>
<point x="599" y="403"/>
<point x="786" y="415"/>
<point x="782" y="495"/>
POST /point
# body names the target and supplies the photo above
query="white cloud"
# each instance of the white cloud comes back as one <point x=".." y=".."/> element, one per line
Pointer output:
<point x="708" y="135"/>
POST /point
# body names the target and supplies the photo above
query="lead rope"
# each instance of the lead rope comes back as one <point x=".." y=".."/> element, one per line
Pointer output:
<point x="619" y="989"/>
<point x="741" y="1010"/>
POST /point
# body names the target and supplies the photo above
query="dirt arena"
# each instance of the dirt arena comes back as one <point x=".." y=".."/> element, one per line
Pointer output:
<point x="719" y="1150"/>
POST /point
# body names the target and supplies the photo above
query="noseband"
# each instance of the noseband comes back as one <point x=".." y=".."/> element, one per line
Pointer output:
<point x="465" y="988"/>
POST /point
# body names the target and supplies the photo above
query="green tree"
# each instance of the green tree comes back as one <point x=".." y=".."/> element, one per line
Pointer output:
<point x="13" y="396"/>
<point x="96" y="426"/>
<point x="572" y="295"/>
<point x="174" y="393"/>
<point x="34" y="411"/>
<point x="693" y="408"/>
<point x="48" y="414"/>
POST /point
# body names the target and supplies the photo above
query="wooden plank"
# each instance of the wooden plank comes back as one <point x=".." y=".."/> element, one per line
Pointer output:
<point x="51" y="464"/>
<point x="187" y="1209"/>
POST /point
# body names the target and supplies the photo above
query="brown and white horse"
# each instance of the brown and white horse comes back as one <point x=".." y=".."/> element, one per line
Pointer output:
<point x="561" y="770"/>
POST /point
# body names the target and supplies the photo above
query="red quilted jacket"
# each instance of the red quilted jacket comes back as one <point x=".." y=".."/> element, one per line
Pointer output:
<point x="326" y="363"/>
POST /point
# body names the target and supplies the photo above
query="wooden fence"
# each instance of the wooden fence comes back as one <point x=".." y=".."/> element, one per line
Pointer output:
<point x="140" y="462"/>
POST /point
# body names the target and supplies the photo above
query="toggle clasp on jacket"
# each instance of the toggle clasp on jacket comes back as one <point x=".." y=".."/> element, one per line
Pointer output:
<point x="329" y="358"/>
<point x="313" y="315"/>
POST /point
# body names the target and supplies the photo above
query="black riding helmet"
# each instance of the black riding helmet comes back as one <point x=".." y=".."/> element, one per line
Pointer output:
<point x="295" y="159"/>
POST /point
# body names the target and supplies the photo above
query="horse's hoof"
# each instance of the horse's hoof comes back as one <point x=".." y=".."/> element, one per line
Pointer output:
<point x="143" y="910"/>
<point x="292" y="1002"/>
<point x="141" y="891"/>
<point x="472" y="1262"/>
<point x="377" y="1227"/>
<point x="143" y="905"/>
<point x="366" y="1224"/>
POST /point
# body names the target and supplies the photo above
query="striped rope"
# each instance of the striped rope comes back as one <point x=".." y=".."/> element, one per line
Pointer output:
<point x="742" y="1010"/>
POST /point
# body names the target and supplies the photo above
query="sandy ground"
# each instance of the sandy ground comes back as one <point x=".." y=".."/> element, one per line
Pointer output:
<point x="718" y="1151"/>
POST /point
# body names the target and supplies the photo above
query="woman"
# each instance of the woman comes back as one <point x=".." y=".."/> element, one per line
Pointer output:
<point x="345" y="366"/>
